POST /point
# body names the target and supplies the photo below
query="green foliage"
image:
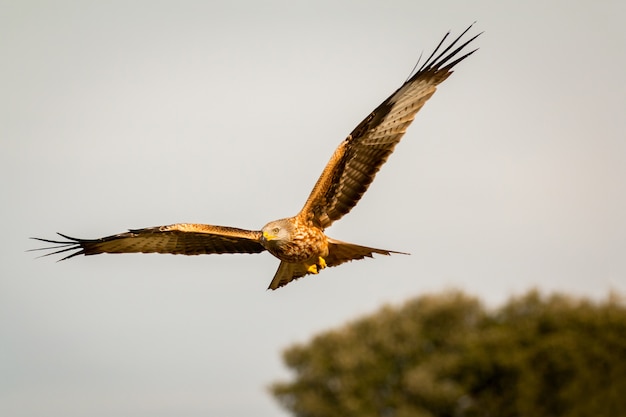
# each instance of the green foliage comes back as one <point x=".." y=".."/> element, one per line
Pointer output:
<point x="447" y="356"/>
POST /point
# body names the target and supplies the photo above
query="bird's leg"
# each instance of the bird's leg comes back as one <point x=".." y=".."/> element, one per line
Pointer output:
<point x="321" y="262"/>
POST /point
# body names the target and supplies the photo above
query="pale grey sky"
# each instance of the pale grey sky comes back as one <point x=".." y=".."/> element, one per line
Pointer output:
<point x="121" y="115"/>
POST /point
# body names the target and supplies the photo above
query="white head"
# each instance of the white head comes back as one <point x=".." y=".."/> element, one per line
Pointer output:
<point x="277" y="232"/>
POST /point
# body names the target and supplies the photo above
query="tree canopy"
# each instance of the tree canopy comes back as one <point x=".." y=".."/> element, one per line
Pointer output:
<point x="448" y="356"/>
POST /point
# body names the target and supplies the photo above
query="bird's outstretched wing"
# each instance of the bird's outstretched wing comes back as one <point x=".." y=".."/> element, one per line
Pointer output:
<point x="358" y="158"/>
<point x="178" y="239"/>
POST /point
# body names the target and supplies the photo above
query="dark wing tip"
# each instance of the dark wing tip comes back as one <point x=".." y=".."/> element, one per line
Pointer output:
<point x="440" y="59"/>
<point x="71" y="244"/>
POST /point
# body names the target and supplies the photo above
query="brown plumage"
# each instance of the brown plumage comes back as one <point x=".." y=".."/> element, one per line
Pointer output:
<point x="299" y="242"/>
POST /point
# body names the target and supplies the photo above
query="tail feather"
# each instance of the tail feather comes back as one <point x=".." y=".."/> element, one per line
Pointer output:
<point x="287" y="272"/>
<point x="338" y="252"/>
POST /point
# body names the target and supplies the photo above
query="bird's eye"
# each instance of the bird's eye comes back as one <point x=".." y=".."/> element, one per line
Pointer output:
<point x="275" y="230"/>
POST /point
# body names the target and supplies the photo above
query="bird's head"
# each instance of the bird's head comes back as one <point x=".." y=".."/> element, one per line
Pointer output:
<point x="277" y="232"/>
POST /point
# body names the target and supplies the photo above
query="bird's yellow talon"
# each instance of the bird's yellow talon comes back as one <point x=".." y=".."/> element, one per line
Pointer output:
<point x="321" y="262"/>
<point x="312" y="269"/>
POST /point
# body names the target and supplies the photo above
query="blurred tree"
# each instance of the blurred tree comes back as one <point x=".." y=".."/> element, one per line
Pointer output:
<point x="447" y="356"/>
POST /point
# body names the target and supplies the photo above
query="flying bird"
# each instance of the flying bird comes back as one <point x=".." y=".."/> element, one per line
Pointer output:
<point x="299" y="242"/>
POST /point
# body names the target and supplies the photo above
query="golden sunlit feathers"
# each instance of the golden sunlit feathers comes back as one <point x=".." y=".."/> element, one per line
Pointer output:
<point x="299" y="241"/>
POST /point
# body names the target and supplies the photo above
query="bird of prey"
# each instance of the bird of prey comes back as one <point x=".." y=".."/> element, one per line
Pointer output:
<point x="299" y="242"/>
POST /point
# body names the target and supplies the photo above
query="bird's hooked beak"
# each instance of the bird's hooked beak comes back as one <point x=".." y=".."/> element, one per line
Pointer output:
<point x="267" y="236"/>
